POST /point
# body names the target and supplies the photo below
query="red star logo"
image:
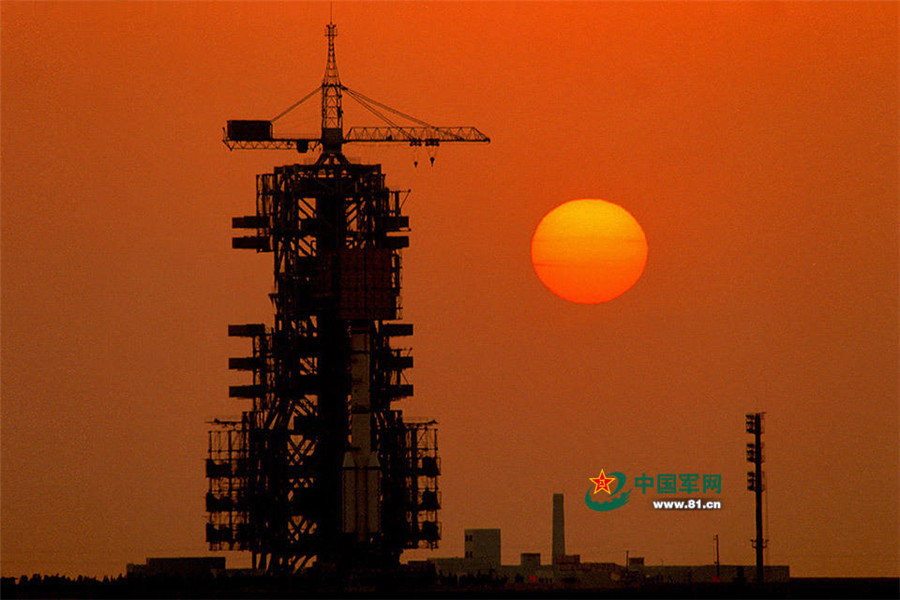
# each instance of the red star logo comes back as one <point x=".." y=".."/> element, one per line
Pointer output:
<point x="602" y="482"/>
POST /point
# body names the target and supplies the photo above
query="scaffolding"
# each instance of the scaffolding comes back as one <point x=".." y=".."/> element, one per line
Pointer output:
<point x="335" y="232"/>
<point x="321" y="467"/>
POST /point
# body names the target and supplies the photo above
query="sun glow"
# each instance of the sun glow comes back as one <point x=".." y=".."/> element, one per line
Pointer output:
<point x="588" y="251"/>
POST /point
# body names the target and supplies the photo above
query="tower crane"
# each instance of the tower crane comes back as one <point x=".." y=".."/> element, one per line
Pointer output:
<point x="258" y="135"/>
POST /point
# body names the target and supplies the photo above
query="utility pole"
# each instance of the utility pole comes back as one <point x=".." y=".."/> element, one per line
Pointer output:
<point x="717" y="555"/>
<point x="756" y="484"/>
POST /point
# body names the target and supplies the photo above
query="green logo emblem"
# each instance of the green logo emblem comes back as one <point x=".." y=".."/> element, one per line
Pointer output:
<point x="601" y="483"/>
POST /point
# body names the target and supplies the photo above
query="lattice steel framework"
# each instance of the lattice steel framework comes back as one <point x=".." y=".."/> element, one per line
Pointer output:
<point x="278" y="477"/>
<point x="321" y="467"/>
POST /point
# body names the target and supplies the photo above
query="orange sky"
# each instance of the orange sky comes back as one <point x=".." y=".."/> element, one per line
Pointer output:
<point x="757" y="145"/>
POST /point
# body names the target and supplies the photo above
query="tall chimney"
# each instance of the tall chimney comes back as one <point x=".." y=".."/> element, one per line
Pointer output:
<point x="559" y="529"/>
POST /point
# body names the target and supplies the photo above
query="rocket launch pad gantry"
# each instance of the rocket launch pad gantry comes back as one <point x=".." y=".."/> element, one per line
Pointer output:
<point x="322" y="467"/>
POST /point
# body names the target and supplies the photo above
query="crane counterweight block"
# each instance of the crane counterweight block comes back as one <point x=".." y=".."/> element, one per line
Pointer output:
<point x="244" y="130"/>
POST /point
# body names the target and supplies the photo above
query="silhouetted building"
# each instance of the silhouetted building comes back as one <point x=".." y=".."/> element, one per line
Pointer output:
<point x="567" y="571"/>
<point x="530" y="561"/>
<point x="483" y="544"/>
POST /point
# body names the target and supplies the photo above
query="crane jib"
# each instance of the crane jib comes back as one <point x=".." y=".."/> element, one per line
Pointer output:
<point x="257" y="135"/>
<point x="254" y="134"/>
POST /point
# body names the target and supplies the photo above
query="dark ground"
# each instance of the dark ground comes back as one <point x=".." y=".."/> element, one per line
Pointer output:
<point x="240" y="586"/>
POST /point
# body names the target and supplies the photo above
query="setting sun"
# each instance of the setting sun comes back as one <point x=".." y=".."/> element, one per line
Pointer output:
<point x="588" y="251"/>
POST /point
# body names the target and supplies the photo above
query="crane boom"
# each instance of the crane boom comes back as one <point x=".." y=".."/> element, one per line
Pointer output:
<point x="429" y="136"/>
<point x="414" y="136"/>
<point x="257" y="134"/>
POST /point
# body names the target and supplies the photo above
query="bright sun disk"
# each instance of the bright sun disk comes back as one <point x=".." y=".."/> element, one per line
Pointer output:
<point x="588" y="251"/>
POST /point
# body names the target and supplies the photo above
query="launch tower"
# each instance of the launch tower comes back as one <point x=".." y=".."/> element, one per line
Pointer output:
<point x="322" y="466"/>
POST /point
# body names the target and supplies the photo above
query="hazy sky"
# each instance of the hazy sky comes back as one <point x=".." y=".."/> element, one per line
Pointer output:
<point x="756" y="143"/>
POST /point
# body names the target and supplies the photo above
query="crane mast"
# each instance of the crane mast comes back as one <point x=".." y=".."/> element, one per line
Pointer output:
<point x="332" y="111"/>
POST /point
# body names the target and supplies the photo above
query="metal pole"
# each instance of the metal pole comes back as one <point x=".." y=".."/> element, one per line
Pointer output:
<point x="717" y="556"/>
<point x="760" y="544"/>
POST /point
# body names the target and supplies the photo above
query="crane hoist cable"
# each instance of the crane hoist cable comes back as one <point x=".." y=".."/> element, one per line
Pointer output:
<point x="364" y="101"/>
<point x="370" y="108"/>
<point x="354" y="94"/>
<point x="297" y="103"/>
